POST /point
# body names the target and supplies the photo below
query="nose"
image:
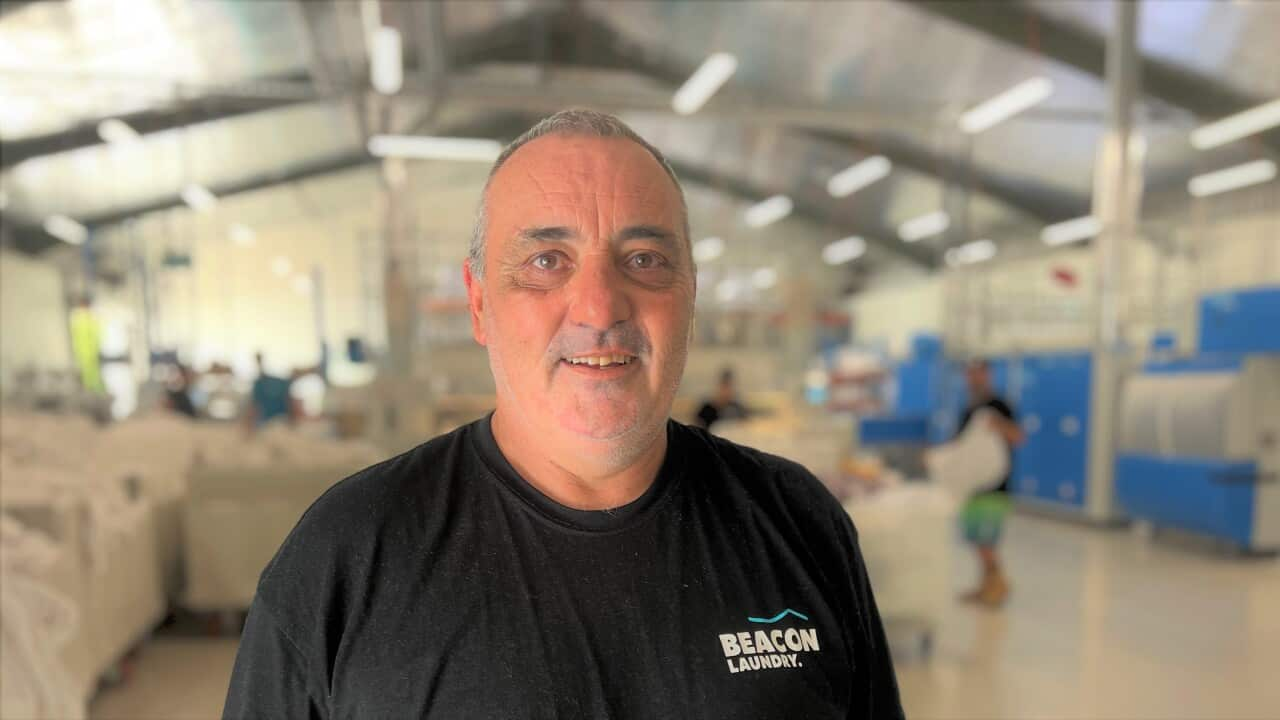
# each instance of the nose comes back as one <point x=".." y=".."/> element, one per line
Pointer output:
<point x="598" y="295"/>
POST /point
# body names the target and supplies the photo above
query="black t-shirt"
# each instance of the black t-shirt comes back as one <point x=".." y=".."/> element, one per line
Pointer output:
<point x="997" y="404"/>
<point x="441" y="584"/>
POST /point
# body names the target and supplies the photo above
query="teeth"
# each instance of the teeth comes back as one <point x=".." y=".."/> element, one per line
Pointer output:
<point x="601" y="360"/>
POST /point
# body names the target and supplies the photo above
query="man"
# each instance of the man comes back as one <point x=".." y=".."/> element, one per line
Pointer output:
<point x="269" y="398"/>
<point x="723" y="405"/>
<point x="983" y="516"/>
<point x="576" y="554"/>
<point x="178" y="394"/>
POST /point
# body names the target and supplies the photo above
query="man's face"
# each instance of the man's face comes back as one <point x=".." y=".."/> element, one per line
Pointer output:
<point x="725" y="392"/>
<point x="587" y="298"/>
<point x="979" y="379"/>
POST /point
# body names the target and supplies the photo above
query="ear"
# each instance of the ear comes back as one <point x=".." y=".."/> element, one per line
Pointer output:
<point x="693" y="313"/>
<point x="475" y="301"/>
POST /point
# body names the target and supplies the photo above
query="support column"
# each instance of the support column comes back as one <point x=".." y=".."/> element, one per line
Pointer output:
<point x="1117" y="194"/>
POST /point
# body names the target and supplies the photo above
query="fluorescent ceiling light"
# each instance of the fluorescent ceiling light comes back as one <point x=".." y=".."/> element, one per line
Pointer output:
<point x="199" y="198"/>
<point x="919" y="228"/>
<point x="854" y="178"/>
<point x="768" y="211"/>
<point x="1016" y="99"/>
<point x="1232" y="178"/>
<point x="435" y="148"/>
<point x="1070" y="231"/>
<point x="66" y="229"/>
<point x="281" y="266"/>
<point x="969" y="253"/>
<point x="843" y="251"/>
<point x="708" y="249"/>
<point x="116" y="132"/>
<point x="242" y="234"/>
<point x="704" y="82"/>
<point x="1235" y="127"/>
<point x="764" y="278"/>
<point x="386" y="66"/>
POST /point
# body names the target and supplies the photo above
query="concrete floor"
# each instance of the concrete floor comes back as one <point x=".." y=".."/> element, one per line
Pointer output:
<point x="1102" y="624"/>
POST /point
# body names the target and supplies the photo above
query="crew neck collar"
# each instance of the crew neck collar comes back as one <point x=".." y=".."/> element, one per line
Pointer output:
<point x="610" y="520"/>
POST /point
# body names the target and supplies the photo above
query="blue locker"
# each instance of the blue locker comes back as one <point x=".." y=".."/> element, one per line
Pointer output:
<point x="1051" y="393"/>
<point x="1241" y="321"/>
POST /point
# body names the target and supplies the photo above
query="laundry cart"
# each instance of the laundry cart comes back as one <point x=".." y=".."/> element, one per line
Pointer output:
<point x="907" y="537"/>
<point x="104" y="570"/>
<point x="236" y="518"/>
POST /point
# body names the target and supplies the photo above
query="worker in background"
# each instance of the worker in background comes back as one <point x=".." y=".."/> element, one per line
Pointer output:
<point x="86" y="345"/>
<point x="983" y="515"/>
<point x="178" y="394"/>
<point x="577" y="553"/>
<point x="269" y="399"/>
<point x="724" y="405"/>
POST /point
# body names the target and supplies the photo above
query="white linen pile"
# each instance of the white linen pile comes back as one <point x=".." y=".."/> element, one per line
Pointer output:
<point x="94" y="546"/>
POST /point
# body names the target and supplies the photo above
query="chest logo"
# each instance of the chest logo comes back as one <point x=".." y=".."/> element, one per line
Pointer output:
<point x="769" y="648"/>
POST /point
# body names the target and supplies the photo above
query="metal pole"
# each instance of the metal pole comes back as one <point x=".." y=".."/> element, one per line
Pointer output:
<point x="1116" y="203"/>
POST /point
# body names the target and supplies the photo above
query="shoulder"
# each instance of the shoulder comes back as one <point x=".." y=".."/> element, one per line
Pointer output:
<point x="769" y="481"/>
<point x="1001" y="406"/>
<point x="368" y="497"/>
<point x="339" y="535"/>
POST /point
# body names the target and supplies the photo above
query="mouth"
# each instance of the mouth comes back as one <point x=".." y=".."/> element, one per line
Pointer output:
<point x="600" y="363"/>
<point x="603" y="360"/>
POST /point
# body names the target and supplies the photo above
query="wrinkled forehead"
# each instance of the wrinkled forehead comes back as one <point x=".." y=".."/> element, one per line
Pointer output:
<point x="558" y="178"/>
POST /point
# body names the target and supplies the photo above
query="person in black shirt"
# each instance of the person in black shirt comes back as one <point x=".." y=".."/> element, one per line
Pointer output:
<point x="984" y="513"/>
<point x="575" y="554"/>
<point x="724" y="405"/>
<point x="178" y="395"/>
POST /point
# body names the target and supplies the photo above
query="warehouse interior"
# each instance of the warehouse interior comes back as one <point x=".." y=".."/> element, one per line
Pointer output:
<point x="1081" y="193"/>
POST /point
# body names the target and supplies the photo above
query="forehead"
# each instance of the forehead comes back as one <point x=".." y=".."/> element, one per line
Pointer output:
<point x="554" y="176"/>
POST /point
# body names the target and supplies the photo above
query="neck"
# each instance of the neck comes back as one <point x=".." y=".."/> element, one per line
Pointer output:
<point x="571" y="478"/>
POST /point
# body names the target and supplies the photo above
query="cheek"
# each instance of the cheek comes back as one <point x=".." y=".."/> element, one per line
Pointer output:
<point x="523" y="328"/>
<point x="666" y="320"/>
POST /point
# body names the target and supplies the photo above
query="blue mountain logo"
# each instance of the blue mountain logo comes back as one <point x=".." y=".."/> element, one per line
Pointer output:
<point x="779" y="616"/>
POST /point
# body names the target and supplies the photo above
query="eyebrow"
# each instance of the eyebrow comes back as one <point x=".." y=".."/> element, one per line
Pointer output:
<point x="559" y="233"/>
<point x="660" y="235"/>
<point x="544" y="234"/>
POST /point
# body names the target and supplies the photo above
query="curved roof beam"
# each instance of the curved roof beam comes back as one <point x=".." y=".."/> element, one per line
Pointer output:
<point x="1009" y="21"/>
<point x="500" y="125"/>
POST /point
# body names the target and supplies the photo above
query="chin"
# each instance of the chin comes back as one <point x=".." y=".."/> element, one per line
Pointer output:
<point x="602" y="421"/>
<point x="608" y="439"/>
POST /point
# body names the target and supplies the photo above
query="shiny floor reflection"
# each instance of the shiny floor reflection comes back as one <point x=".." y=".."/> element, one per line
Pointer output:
<point x="1101" y="625"/>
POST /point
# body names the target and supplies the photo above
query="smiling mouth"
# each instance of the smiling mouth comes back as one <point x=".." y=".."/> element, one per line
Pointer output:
<point x="600" y="361"/>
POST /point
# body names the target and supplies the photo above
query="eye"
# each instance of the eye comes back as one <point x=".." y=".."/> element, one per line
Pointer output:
<point x="548" y="261"/>
<point x="645" y="261"/>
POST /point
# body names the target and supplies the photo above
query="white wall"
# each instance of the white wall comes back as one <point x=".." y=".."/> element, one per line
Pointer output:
<point x="887" y="316"/>
<point x="33" y="323"/>
<point x="1027" y="304"/>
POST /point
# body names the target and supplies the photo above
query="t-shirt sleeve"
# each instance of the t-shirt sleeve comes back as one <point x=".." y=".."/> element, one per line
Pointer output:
<point x="271" y="677"/>
<point x="1003" y="408"/>
<point x="879" y="696"/>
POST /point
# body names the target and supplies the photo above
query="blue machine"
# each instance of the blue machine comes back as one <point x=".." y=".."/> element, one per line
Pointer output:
<point x="923" y="383"/>
<point x="1199" y="446"/>
<point x="1052" y="395"/>
<point x="1051" y="392"/>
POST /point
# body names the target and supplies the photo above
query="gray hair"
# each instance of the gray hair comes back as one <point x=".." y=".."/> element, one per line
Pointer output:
<point x="579" y="122"/>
